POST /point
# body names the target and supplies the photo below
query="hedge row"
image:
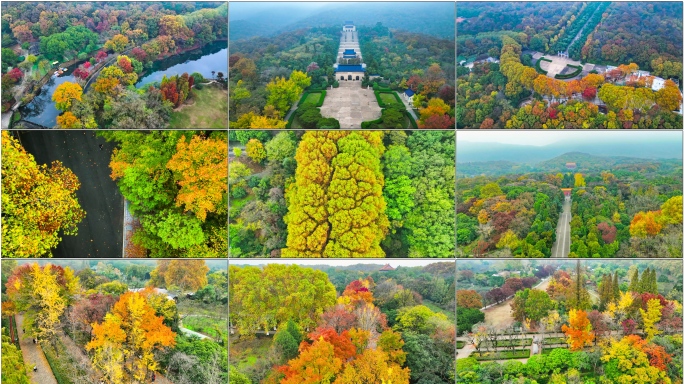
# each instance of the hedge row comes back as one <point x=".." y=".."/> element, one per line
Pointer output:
<point x="537" y="66"/>
<point x="578" y="70"/>
<point x="382" y="103"/>
<point x="414" y="125"/>
<point x="367" y="124"/>
<point x="502" y="355"/>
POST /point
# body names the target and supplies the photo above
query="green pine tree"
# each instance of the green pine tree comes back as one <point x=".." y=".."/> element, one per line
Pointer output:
<point x="634" y="282"/>
<point x="616" y="288"/>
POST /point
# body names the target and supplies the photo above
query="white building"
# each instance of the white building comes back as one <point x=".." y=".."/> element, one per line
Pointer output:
<point x="349" y="26"/>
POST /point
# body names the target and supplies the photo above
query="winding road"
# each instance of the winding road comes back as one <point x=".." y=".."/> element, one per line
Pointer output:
<point x="561" y="247"/>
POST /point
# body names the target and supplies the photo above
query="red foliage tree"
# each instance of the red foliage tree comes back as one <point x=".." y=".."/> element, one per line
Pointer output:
<point x="438" y="122"/>
<point x="125" y="64"/>
<point x="496" y="295"/>
<point x="139" y="54"/>
<point x="599" y="325"/>
<point x="337" y="318"/>
<point x="81" y="73"/>
<point x="233" y="59"/>
<point x="343" y="346"/>
<point x="589" y="93"/>
<point x="101" y="55"/>
<point x="629" y="326"/>
<point x="529" y="282"/>
<point x="15" y="74"/>
<point x="514" y="284"/>
<point x="608" y="232"/>
<point x="87" y="65"/>
<point x="657" y="356"/>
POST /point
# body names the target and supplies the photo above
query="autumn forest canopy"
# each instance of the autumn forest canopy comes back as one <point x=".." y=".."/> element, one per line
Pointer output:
<point x="621" y="65"/>
<point x="341" y="194"/>
<point x="117" y="321"/>
<point x="105" y="49"/>
<point x="608" y="206"/>
<point x="562" y="322"/>
<point x="295" y="324"/>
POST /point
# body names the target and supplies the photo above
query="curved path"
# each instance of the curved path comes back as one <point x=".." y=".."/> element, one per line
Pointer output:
<point x="34" y="356"/>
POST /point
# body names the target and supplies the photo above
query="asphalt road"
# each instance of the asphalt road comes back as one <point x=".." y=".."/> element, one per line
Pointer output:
<point x="561" y="247"/>
<point x="100" y="233"/>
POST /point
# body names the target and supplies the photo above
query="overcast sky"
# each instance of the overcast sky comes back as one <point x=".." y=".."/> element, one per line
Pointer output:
<point x="541" y="138"/>
<point x="338" y="262"/>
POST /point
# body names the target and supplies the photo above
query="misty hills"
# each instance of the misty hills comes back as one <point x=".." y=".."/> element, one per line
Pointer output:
<point x="268" y="19"/>
<point x="585" y="162"/>
<point x="646" y="148"/>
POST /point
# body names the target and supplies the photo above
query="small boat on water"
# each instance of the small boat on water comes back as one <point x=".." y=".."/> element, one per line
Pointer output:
<point x="59" y="72"/>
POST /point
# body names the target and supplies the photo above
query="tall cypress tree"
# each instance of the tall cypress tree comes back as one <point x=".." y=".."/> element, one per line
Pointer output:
<point x="616" y="288"/>
<point x="579" y="297"/>
<point x="634" y="282"/>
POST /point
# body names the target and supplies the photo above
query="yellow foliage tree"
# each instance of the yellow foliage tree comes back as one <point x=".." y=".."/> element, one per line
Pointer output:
<point x="651" y="316"/>
<point x="200" y="168"/>
<point x="65" y="94"/>
<point x="38" y="202"/>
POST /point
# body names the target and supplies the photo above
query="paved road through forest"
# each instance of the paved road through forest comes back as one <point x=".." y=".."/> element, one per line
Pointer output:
<point x="561" y="247"/>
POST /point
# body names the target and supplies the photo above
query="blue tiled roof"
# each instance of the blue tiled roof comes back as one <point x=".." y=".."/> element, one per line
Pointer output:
<point x="350" y="68"/>
<point x="349" y="52"/>
<point x="409" y="92"/>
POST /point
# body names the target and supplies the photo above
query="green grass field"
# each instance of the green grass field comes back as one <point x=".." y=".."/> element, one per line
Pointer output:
<point x="209" y="110"/>
<point x="388" y="98"/>
<point x="205" y="325"/>
<point x="434" y="308"/>
<point x="312" y="98"/>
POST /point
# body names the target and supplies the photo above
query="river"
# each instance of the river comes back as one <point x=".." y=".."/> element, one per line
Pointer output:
<point x="212" y="57"/>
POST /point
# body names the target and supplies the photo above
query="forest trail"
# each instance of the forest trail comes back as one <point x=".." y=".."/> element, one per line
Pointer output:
<point x="33" y="355"/>
<point x="579" y="33"/>
<point x="561" y="247"/>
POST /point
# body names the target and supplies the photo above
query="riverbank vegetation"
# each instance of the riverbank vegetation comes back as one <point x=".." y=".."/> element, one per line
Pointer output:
<point x="115" y="45"/>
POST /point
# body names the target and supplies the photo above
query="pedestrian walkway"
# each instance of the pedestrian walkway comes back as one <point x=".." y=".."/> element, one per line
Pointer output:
<point x="34" y="356"/>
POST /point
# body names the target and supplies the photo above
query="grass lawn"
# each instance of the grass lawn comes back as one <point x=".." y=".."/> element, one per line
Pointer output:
<point x="312" y="98"/>
<point x="502" y="355"/>
<point x="209" y="110"/>
<point x="388" y="98"/>
<point x="434" y="308"/>
<point x="206" y="325"/>
<point x="460" y="344"/>
<point x="245" y="353"/>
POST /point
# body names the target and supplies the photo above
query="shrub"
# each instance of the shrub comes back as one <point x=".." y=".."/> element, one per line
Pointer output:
<point x="537" y="65"/>
<point x="238" y="192"/>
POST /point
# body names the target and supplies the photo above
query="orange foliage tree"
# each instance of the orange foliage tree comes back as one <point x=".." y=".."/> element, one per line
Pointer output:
<point x="579" y="332"/>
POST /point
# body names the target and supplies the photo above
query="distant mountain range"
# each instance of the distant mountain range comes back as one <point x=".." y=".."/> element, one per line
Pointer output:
<point x="584" y="162"/>
<point x="268" y="19"/>
<point x="649" y="148"/>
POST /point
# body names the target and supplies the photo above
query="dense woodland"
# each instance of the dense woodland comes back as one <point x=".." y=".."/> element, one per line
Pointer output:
<point x="374" y="326"/>
<point x="616" y="321"/>
<point x="126" y="335"/>
<point x="341" y="194"/>
<point x="268" y="75"/>
<point x="515" y="93"/>
<point x="621" y="207"/>
<point x="113" y="44"/>
<point x="175" y="184"/>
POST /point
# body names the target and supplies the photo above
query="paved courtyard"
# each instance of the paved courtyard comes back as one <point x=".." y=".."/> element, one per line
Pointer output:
<point x="351" y="104"/>
<point x="556" y="66"/>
